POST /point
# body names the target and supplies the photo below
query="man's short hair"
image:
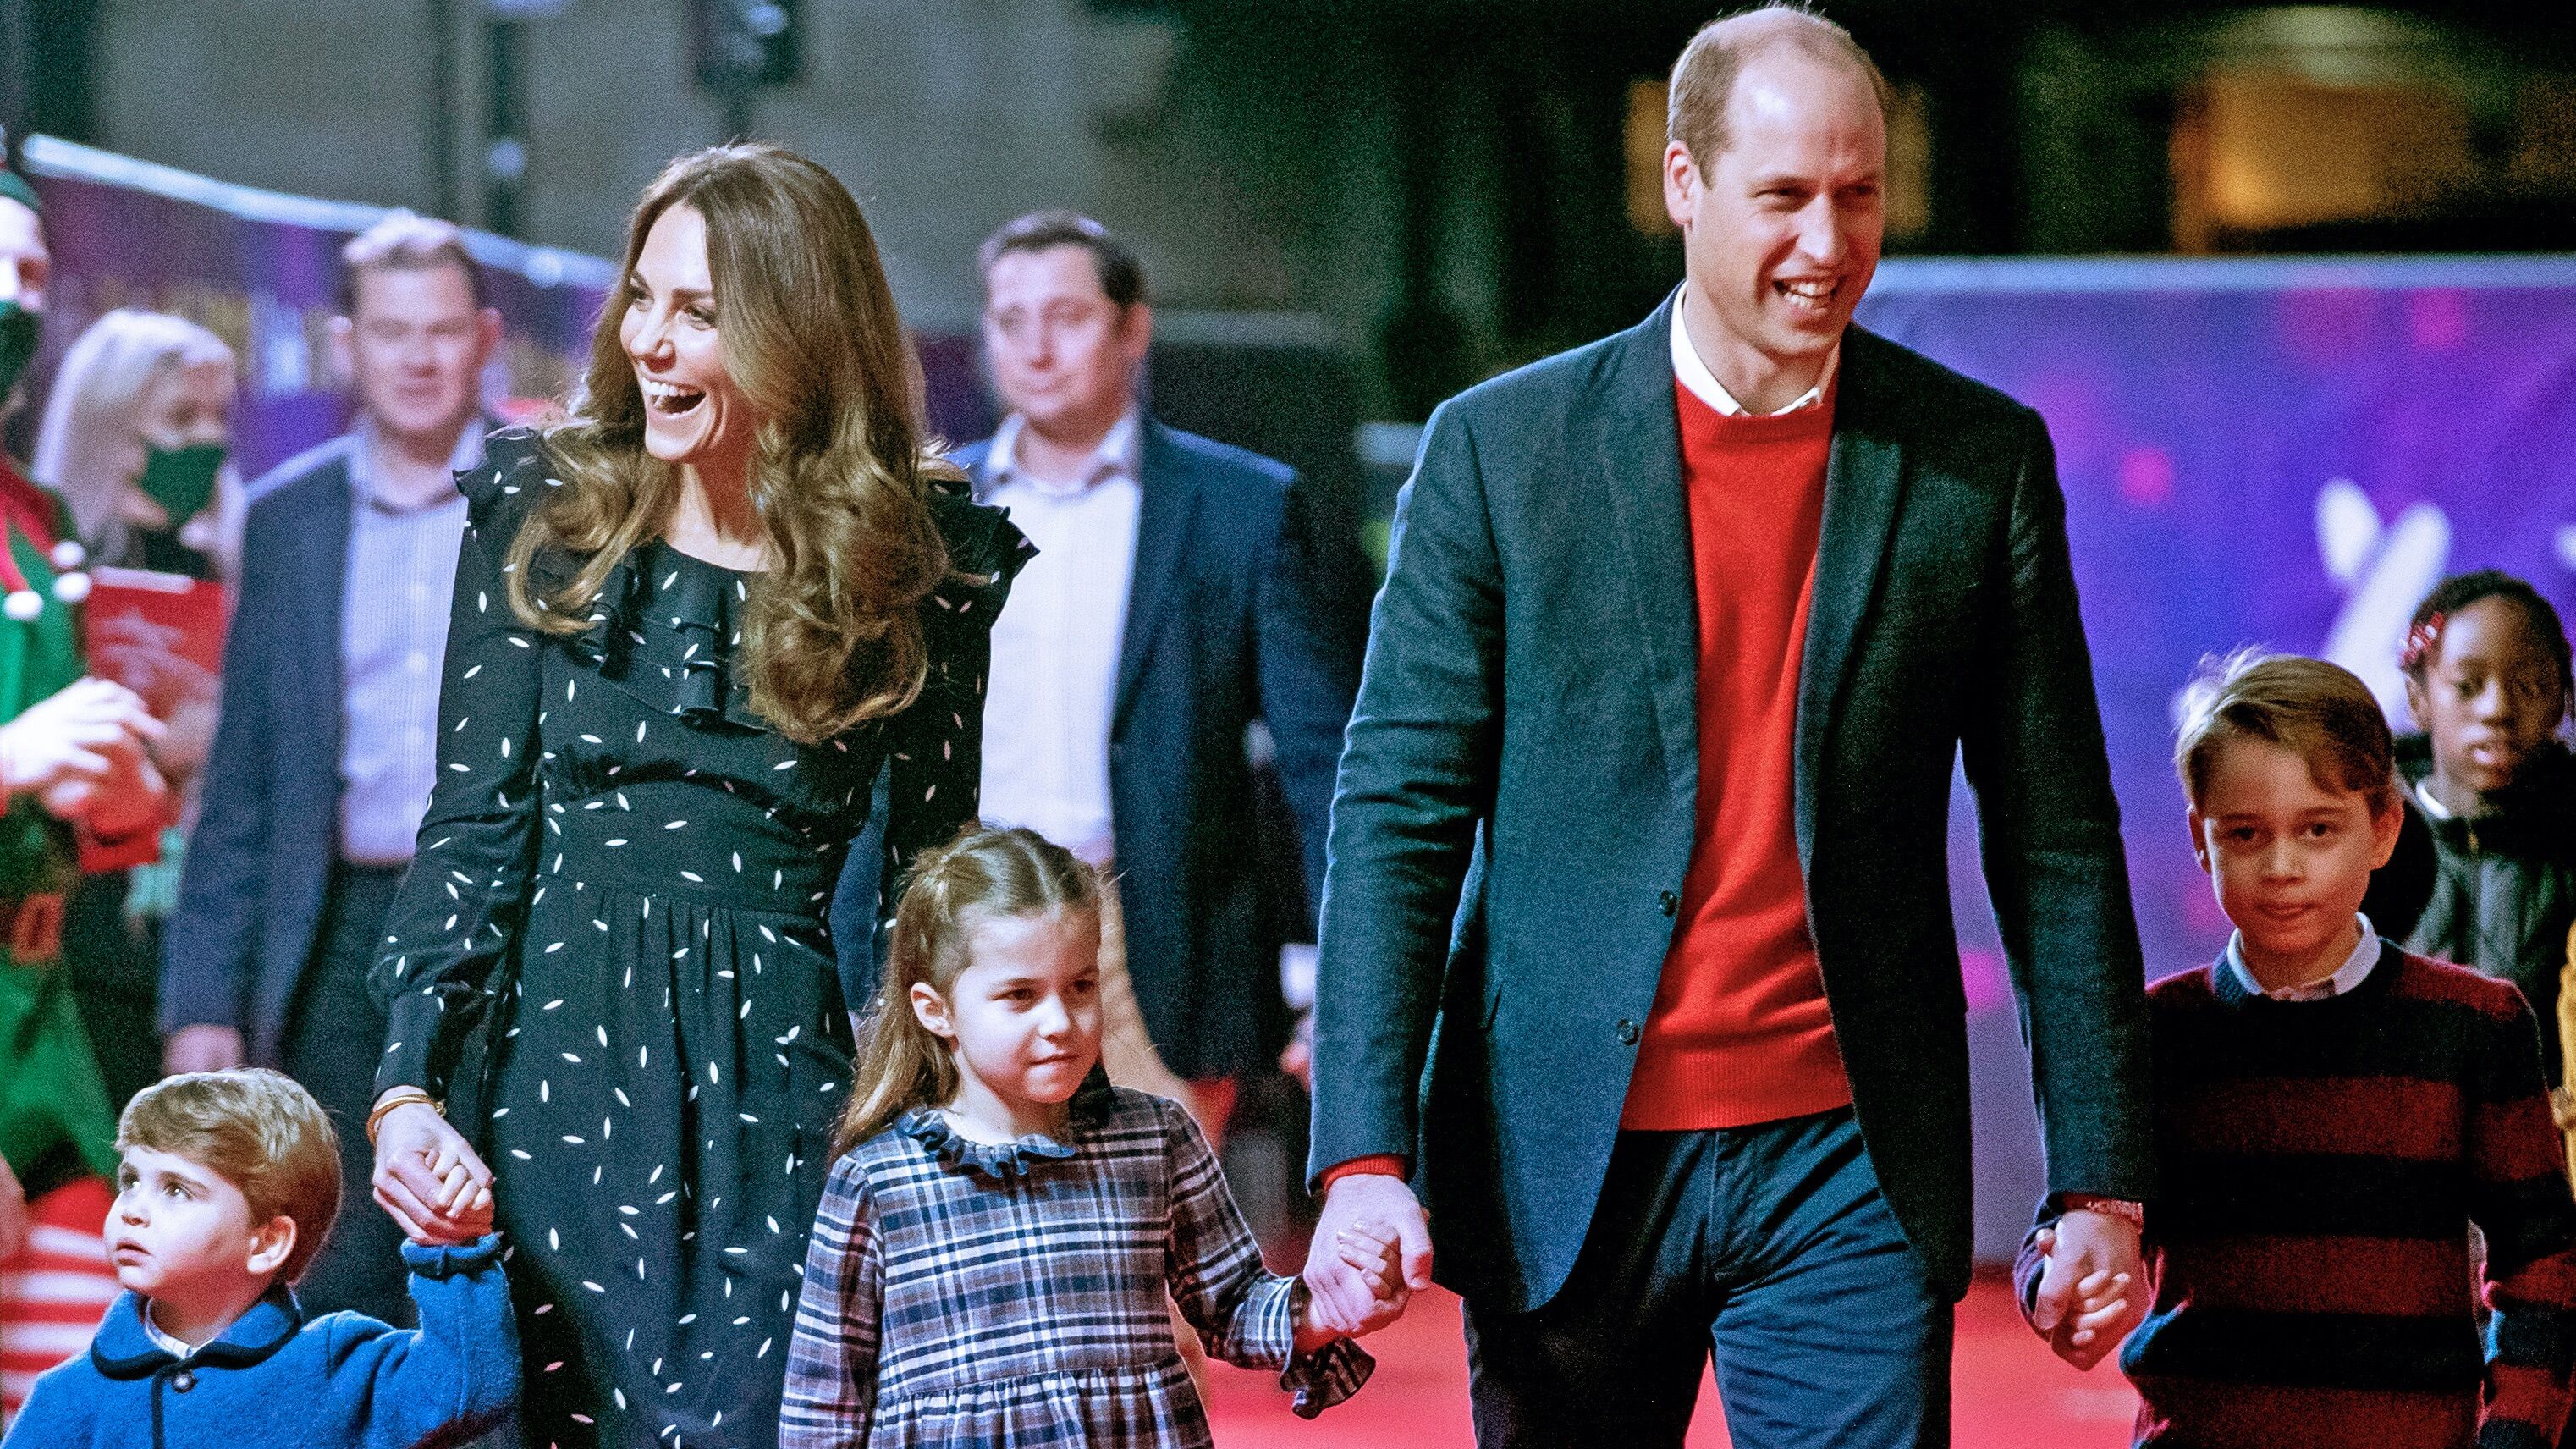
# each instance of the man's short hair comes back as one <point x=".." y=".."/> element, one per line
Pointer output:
<point x="403" y="242"/>
<point x="1122" y="277"/>
<point x="2321" y="712"/>
<point x="1704" y="78"/>
<point x="256" y="1129"/>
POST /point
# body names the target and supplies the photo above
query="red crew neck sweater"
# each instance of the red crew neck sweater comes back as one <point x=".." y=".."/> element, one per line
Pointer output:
<point x="1740" y="1032"/>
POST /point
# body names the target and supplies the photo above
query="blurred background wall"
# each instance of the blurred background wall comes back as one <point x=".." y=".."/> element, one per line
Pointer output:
<point x="1435" y="188"/>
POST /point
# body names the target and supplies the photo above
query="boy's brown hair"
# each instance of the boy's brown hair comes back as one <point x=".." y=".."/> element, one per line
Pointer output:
<point x="256" y="1129"/>
<point x="2320" y="711"/>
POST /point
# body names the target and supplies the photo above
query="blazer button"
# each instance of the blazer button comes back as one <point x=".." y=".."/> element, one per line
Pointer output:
<point x="1667" y="902"/>
<point x="182" y="1381"/>
<point x="1627" y="1031"/>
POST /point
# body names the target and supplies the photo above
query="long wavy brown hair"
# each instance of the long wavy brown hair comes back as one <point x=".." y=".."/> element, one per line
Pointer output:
<point x="839" y="476"/>
<point x="985" y="874"/>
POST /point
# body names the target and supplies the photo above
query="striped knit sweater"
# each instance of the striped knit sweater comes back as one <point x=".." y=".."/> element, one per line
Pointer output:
<point x="2321" y="1163"/>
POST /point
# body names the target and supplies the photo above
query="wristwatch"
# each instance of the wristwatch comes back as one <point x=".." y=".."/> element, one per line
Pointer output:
<point x="2118" y="1207"/>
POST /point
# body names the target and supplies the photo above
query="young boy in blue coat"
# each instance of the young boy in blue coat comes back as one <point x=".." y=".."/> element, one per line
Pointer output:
<point x="230" y="1182"/>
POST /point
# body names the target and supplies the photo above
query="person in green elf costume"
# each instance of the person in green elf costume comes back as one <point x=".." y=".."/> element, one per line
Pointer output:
<point x="75" y="755"/>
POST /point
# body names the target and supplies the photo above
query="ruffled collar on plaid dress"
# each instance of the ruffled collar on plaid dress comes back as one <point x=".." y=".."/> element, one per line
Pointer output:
<point x="1002" y="1161"/>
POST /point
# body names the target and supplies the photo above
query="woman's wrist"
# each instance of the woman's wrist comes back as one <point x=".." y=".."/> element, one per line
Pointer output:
<point x="394" y="1099"/>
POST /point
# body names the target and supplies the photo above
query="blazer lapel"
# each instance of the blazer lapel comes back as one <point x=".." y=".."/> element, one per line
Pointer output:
<point x="1163" y="517"/>
<point x="1641" y="463"/>
<point x="1864" y="485"/>
<point x="326" y="568"/>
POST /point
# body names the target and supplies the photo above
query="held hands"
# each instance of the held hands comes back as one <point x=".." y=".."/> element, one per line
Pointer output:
<point x="2089" y="1295"/>
<point x="429" y="1179"/>
<point x="1375" y="1255"/>
<point x="1371" y="1252"/>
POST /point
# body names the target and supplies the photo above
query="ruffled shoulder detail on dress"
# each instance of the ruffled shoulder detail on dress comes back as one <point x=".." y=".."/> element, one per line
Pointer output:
<point x="985" y="552"/>
<point x="501" y="489"/>
<point x="1002" y="1161"/>
<point x="665" y="628"/>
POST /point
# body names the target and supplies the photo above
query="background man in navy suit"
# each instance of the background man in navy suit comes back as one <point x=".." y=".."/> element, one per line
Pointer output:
<point x="327" y="742"/>
<point x="1171" y="605"/>
<point x="1639" y="838"/>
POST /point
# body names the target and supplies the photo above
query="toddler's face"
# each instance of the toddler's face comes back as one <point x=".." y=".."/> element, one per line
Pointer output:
<point x="2291" y="859"/>
<point x="2489" y="698"/>
<point x="1024" y="1016"/>
<point x="181" y="1230"/>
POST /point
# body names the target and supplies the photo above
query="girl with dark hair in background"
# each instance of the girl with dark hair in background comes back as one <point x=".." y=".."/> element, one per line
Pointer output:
<point x="691" y="622"/>
<point x="2485" y="870"/>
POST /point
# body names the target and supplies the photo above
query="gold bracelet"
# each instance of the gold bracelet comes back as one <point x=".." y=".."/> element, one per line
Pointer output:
<point x="400" y="1097"/>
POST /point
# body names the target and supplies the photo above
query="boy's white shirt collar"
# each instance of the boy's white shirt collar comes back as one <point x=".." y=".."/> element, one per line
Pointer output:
<point x="174" y="1347"/>
<point x="1703" y="384"/>
<point x="2355" y="969"/>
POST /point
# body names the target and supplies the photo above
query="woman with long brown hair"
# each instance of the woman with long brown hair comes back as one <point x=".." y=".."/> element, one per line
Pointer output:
<point x="691" y="622"/>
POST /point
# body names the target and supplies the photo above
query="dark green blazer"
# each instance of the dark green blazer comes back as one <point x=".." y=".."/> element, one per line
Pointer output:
<point x="1516" y="799"/>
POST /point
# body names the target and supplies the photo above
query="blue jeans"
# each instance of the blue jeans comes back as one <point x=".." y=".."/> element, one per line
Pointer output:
<point x="1771" y="1244"/>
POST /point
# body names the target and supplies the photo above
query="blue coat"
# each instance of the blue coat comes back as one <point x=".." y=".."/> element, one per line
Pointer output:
<point x="275" y="1381"/>
<point x="1225" y="625"/>
<point x="1517" y="807"/>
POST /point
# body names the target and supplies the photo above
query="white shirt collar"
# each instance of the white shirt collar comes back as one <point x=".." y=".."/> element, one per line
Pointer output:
<point x="1116" y="457"/>
<point x="1703" y="384"/>
<point x="465" y="457"/>
<point x="2355" y="969"/>
<point x="176" y="1348"/>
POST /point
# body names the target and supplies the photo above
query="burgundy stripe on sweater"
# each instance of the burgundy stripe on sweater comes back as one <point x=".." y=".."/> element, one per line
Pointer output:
<point x="2320" y="1165"/>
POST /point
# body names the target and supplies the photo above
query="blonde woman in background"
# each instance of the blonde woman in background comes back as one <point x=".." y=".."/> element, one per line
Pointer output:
<point x="135" y="439"/>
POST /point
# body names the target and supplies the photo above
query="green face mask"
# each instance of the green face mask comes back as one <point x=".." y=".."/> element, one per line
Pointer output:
<point x="182" y="480"/>
<point x="18" y="331"/>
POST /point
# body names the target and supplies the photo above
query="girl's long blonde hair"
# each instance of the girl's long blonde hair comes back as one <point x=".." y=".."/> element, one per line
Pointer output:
<point x="832" y="633"/>
<point x="983" y="875"/>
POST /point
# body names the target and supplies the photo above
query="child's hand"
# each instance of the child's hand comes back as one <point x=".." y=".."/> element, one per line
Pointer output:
<point x="471" y="1202"/>
<point x="1377" y="1256"/>
<point x="2096" y="1318"/>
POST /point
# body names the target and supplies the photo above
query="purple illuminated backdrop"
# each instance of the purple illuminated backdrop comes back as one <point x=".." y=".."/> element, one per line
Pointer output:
<point x="2286" y="453"/>
<point x="258" y="269"/>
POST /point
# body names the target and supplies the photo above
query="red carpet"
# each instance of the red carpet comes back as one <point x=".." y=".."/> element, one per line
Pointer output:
<point x="2011" y="1392"/>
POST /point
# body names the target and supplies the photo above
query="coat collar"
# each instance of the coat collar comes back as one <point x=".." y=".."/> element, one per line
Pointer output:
<point x="1864" y="491"/>
<point x="123" y="1350"/>
<point x="1640" y="452"/>
<point x="1166" y="509"/>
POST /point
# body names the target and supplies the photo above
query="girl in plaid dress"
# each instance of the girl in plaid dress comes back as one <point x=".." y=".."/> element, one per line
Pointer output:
<point x="997" y="1242"/>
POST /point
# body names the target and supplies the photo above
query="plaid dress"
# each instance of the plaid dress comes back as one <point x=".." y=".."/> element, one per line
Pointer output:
<point x="1012" y="1295"/>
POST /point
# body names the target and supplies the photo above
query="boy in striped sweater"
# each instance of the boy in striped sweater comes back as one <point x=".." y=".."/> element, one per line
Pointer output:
<point x="2333" y="1115"/>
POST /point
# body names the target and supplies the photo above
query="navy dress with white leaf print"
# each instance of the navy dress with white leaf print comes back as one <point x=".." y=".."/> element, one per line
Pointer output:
<point x="626" y="871"/>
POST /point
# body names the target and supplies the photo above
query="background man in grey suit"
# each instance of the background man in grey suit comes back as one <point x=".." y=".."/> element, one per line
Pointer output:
<point x="1638" y="840"/>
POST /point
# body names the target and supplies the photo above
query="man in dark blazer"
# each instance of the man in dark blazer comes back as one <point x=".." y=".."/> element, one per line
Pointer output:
<point x="1171" y="606"/>
<point x="1638" y="844"/>
<point x="326" y="743"/>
